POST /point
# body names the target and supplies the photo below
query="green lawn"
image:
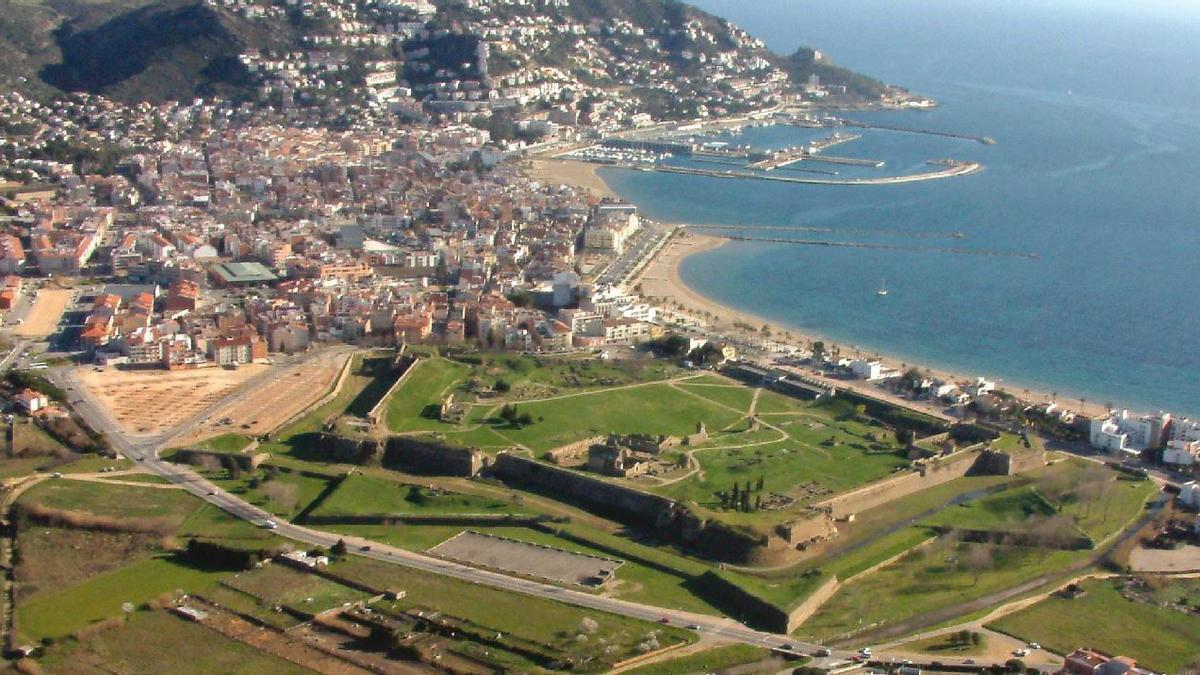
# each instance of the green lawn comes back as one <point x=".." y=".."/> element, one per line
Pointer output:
<point x="1011" y="510"/>
<point x="706" y="661"/>
<point x="229" y="443"/>
<point x="61" y="613"/>
<point x="1162" y="639"/>
<point x="286" y="494"/>
<point x="141" y="645"/>
<point x="804" y="467"/>
<point x="649" y="409"/>
<point x="212" y="524"/>
<point x="360" y="494"/>
<point x="933" y="578"/>
<point x="424" y="389"/>
<point x="731" y="395"/>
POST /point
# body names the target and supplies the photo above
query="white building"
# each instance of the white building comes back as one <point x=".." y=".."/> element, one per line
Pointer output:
<point x="1124" y="432"/>
<point x="1181" y="453"/>
<point x="868" y="370"/>
<point x="1189" y="495"/>
<point x="1184" y="429"/>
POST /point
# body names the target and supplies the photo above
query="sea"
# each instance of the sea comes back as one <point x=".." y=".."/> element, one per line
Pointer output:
<point x="1076" y="265"/>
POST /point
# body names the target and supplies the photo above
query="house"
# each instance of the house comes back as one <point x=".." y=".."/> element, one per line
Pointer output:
<point x="1189" y="495"/>
<point x="31" y="401"/>
<point x="1125" y="433"/>
<point x="1087" y="661"/>
<point x="867" y="370"/>
<point x="1181" y="453"/>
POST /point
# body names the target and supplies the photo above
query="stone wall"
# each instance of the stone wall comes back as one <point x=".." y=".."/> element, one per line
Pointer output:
<point x="404" y="363"/>
<point x="429" y="457"/>
<point x="817" y="526"/>
<point x="243" y="460"/>
<point x="572" y="450"/>
<point x="812" y="603"/>
<point x="900" y="485"/>
<point x="639" y="508"/>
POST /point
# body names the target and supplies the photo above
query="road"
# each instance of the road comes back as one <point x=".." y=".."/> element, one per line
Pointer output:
<point x="144" y="450"/>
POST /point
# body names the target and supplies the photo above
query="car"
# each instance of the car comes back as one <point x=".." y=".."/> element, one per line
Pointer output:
<point x="1020" y="652"/>
<point x="1034" y="645"/>
<point x="785" y="647"/>
<point x="823" y="651"/>
<point x="364" y="548"/>
<point x="212" y="493"/>
<point x="664" y="620"/>
<point x="692" y="626"/>
<point x="969" y="662"/>
<point x="865" y="651"/>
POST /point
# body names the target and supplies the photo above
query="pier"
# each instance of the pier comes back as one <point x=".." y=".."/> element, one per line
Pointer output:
<point x="808" y="152"/>
<point x="885" y="247"/>
<point x="986" y="140"/>
<point x="958" y="169"/>
<point x="880" y="231"/>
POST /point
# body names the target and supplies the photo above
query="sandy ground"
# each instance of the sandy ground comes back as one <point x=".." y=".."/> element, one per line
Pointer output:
<point x="570" y="172"/>
<point x="271" y="403"/>
<point x="152" y="401"/>
<point x="1185" y="559"/>
<point x="43" y="317"/>
<point x="661" y="281"/>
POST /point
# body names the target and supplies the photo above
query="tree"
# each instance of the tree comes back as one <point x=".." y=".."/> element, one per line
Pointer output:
<point x="283" y="494"/>
<point x="758" y="503"/>
<point x="979" y="560"/>
<point x="338" y="549"/>
<point x="502" y="386"/>
<point x="760" y="483"/>
<point x="976" y="638"/>
<point x="818" y="351"/>
<point x="1014" y="666"/>
<point x="860" y="410"/>
<point x="524" y="419"/>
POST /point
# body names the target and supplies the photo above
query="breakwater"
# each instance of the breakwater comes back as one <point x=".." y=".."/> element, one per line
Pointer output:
<point x="959" y="169"/>
<point x="885" y="247"/>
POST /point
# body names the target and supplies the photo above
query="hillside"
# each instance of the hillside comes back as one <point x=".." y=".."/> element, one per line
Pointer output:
<point x="662" y="52"/>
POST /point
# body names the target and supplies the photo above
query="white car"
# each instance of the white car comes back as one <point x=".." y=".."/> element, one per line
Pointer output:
<point x="1034" y="645"/>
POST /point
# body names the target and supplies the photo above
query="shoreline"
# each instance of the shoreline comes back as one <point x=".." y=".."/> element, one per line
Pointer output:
<point x="661" y="281"/>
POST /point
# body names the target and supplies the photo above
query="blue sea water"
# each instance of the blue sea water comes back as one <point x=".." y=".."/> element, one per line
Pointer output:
<point x="1096" y="111"/>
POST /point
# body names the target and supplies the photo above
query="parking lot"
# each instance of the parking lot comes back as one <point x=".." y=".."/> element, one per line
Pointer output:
<point x="529" y="560"/>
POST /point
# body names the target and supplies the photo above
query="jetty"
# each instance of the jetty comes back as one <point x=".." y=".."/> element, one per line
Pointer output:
<point x="885" y="247"/>
<point x="986" y="140"/>
<point x="810" y="229"/>
<point x="958" y="169"/>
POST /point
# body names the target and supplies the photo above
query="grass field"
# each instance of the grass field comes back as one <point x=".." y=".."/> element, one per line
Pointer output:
<point x="536" y="622"/>
<point x="1162" y="639"/>
<point x="360" y="494"/>
<point x="114" y="501"/>
<point x="276" y="585"/>
<point x="823" y="453"/>
<point x="58" y="614"/>
<point x="229" y="443"/>
<point x="1011" y="510"/>
<point x="706" y="661"/>
<point x="285" y="493"/>
<point x="934" y="578"/>
<point x="159" y="642"/>
<point x="651" y="409"/>
<point x="54" y="558"/>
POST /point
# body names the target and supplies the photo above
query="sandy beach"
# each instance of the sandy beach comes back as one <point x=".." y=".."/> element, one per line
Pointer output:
<point x="661" y="283"/>
<point x="569" y="172"/>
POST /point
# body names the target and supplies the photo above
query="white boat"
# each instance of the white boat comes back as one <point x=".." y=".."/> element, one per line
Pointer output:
<point x="882" y="289"/>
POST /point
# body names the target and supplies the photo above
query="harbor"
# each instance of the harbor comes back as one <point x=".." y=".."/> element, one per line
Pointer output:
<point x="713" y="150"/>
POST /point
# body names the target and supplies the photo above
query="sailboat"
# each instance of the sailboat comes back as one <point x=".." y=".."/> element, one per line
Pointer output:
<point x="882" y="289"/>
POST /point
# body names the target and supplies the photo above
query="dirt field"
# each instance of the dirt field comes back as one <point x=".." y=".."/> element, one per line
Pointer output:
<point x="1184" y="559"/>
<point x="44" y="315"/>
<point x="525" y="559"/>
<point x="152" y="401"/>
<point x="288" y="391"/>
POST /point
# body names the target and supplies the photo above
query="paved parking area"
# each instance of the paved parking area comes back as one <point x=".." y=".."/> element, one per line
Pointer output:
<point x="529" y="560"/>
